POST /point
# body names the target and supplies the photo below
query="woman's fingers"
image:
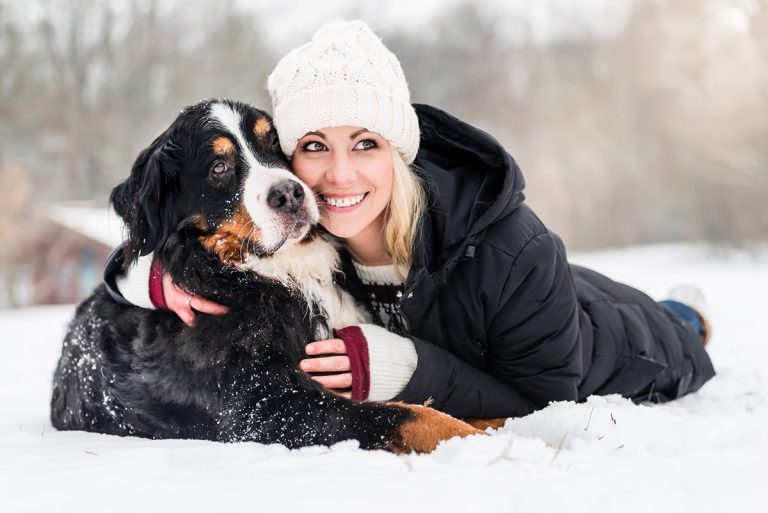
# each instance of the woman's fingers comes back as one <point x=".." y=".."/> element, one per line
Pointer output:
<point x="337" y="381"/>
<point x="329" y="346"/>
<point x="206" y="306"/>
<point x="186" y="315"/>
<point x="326" y="364"/>
<point x="176" y="301"/>
<point x="173" y="294"/>
<point x="184" y="304"/>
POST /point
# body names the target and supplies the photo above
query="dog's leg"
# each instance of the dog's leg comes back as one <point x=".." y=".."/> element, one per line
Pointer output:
<point x="426" y="429"/>
<point x="484" y="424"/>
<point x="398" y="427"/>
<point x="299" y="414"/>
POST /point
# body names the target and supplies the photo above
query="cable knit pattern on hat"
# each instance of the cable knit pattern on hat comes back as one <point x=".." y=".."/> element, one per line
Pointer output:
<point x="344" y="76"/>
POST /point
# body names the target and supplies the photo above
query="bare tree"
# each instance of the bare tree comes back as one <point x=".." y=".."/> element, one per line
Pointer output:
<point x="654" y="132"/>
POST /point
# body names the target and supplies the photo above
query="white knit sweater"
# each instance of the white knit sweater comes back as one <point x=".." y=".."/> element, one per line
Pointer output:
<point x="392" y="358"/>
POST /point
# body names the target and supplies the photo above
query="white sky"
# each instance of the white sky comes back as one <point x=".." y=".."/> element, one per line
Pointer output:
<point x="291" y="22"/>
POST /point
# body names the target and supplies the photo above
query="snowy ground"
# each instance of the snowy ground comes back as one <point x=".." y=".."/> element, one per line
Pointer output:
<point x="706" y="452"/>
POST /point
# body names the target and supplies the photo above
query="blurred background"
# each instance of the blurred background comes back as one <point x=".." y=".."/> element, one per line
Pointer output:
<point x="634" y="121"/>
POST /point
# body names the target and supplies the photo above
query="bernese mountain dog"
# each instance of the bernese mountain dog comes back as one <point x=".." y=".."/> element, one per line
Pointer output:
<point x="214" y="199"/>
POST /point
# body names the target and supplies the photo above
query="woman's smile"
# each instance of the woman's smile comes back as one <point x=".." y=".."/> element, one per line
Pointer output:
<point x="350" y="170"/>
<point x="342" y="203"/>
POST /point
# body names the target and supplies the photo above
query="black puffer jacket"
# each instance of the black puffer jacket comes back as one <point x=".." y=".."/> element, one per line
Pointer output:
<point x="501" y="322"/>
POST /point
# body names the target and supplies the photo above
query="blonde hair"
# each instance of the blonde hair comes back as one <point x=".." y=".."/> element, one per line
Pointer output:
<point x="402" y="216"/>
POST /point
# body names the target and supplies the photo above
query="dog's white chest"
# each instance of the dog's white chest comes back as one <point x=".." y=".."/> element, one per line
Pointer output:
<point x="309" y="267"/>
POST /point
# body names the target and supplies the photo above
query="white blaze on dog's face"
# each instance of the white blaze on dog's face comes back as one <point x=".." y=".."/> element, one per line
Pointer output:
<point x="280" y="206"/>
<point x="217" y="174"/>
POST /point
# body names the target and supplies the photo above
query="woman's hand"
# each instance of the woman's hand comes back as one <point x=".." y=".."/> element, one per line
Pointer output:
<point x="185" y="304"/>
<point x="338" y="364"/>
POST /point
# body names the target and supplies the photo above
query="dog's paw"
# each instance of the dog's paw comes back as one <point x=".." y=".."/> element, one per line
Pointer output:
<point x="427" y="429"/>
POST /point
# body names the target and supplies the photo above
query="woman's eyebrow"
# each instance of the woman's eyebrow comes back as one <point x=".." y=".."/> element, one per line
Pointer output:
<point x="356" y="133"/>
<point x="317" y="133"/>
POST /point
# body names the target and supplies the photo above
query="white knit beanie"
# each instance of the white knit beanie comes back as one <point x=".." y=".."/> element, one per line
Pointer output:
<point x="344" y="76"/>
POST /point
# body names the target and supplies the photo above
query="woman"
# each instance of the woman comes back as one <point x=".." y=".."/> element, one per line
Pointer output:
<point x="475" y="305"/>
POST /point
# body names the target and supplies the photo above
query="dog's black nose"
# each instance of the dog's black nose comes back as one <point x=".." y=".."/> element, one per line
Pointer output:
<point x="286" y="196"/>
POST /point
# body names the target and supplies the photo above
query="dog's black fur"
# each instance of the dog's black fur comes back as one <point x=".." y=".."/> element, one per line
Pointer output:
<point x="125" y="370"/>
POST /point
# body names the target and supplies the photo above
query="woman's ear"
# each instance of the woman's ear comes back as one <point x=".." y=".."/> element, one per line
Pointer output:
<point x="139" y="200"/>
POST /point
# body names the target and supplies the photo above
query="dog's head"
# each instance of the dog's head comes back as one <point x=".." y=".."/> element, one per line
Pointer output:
<point x="219" y="167"/>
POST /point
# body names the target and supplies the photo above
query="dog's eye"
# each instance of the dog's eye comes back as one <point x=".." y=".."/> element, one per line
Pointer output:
<point x="219" y="168"/>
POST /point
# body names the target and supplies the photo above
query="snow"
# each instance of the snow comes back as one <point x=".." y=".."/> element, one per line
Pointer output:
<point x="705" y="452"/>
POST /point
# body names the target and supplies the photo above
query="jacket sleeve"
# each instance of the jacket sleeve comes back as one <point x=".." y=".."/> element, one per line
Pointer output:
<point x="534" y="341"/>
<point x="459" y="389"/>
<point x="532" y="344"/>
<point x="112" y="270"/>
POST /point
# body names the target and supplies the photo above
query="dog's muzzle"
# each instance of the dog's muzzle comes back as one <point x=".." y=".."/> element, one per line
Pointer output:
<point x="293" y="208"/>
<point x="286" y="197"/>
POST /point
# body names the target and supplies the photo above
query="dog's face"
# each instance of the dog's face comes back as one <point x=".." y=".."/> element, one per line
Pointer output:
<point x="218" y="166"/>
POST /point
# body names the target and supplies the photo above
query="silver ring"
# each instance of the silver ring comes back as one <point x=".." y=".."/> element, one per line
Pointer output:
<point x="189" y="301"/>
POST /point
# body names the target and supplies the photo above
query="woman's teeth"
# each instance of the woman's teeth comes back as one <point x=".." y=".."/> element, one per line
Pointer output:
<point x="344" y="202"/>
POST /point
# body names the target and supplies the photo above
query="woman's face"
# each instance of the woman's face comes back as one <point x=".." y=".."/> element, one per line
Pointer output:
<point x="350" y="169"/>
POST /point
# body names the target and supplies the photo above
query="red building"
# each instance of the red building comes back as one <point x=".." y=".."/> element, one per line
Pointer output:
<point x="66" y="259"/>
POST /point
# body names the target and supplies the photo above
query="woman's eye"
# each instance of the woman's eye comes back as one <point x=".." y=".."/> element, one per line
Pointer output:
<point x="219" y="168"/>
<point x="314" y="146"/>
<point x="366" y="144"/>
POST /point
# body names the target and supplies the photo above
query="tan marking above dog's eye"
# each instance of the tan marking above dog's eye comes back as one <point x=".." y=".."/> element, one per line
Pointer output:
<point x="223" y="146"/>
<point x="261" y="128"/>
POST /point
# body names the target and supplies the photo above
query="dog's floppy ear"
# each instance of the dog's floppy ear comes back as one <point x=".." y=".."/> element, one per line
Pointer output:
<point x="141" y="200"/>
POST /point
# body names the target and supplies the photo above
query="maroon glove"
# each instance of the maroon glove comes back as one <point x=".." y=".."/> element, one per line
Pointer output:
<point x="156" y="285"/>
<point x="357" y="350"/>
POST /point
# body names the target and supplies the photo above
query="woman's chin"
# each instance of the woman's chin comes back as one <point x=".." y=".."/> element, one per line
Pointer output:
<point x="342" y="230"/>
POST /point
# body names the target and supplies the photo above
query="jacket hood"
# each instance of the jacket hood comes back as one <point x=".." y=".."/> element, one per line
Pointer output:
<point x="471" y="182"/>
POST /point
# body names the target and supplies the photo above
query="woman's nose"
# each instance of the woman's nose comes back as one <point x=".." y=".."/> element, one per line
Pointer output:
<point x="341" y="172"/>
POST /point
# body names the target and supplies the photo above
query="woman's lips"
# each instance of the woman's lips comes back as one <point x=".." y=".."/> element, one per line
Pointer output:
<point x="343" y="203"/>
